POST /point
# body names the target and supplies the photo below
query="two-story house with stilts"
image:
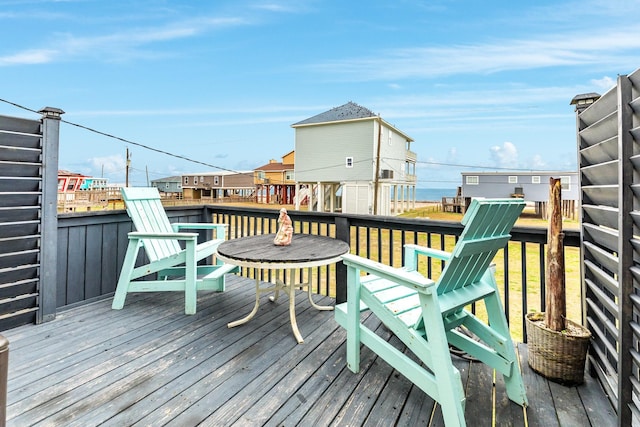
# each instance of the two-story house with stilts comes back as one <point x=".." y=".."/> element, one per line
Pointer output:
<point x="350" y="159"/>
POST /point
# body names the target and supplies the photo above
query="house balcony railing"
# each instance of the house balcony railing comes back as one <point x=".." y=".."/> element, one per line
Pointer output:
<point x="411" y="156"/>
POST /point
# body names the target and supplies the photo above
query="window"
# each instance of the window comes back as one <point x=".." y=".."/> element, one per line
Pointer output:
<point x="535" y="180"/>
<point x="195" y="179"/>
<point x="186" y="180"/>
<point x="349" y="162"/>
<point x="513" y="179"/>
<point x="261" y="175"/>
<point x="472" y="180"/>
<point x="390" y="137"/>
<point x="216" y="180"/>
<point x="289" y="176"/>
<point x="565" y="182"/>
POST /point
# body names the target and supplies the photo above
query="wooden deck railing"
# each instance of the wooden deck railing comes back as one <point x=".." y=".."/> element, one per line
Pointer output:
<point x="519" y="267"/>
<point x="91" y="248"/>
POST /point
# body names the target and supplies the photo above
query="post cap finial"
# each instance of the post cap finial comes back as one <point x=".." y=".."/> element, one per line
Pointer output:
<point x="51" y="112"/>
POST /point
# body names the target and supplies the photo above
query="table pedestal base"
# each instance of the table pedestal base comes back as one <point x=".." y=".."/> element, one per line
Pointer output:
<point x="290" y="289"/>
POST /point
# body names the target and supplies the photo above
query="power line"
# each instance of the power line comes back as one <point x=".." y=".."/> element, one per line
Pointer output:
<point x="128" y="141"/>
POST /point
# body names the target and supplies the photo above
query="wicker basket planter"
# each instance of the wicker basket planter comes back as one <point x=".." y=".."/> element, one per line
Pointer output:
<point x="558" y="356"/>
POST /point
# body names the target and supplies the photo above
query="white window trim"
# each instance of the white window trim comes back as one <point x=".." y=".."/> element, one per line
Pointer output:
<point x="472" y="180"/>
<point x="348" y="162"/>
<point x="565" y="183"/>
<point x="513" y="179"/>
<point x="535" y="179"/>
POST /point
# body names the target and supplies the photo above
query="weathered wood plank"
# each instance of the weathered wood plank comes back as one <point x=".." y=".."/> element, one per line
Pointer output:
<point x="332" y="359"/>
<point x="114" y="371"/>
<point x="253" y="349"/>
<point x="568" y="405"/>
<point x="149" y="364"/>
<point x="598" y="410"/>
<point x="479" y="392"/>
<point x="263" y="394"/>
<point x="541" y="411"/>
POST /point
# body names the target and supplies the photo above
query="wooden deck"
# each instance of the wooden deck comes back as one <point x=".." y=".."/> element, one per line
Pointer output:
<point x="150" y="365"/>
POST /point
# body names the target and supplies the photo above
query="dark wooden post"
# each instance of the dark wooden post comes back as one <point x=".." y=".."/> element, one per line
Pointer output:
<point x="555" y="309"/>
<point x="51" y="118"/>
<point x="342" y="233"/>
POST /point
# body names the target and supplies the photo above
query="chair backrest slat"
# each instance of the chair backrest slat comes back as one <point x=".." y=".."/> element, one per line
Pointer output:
<point x="487" y="226"/>
<point x="148" y="216"/>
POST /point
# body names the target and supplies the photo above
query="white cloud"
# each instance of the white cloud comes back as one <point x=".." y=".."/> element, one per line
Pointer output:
<point x="561" y="49"/>
<point x="119" y="45"/>
<point x="604" y="83"/>
<point x="505" y="156"/>
<point x="538" y="162"/>
<point x="452" y="155"/>
<point x="108" y="165"/>
<point x="34" y="56"/>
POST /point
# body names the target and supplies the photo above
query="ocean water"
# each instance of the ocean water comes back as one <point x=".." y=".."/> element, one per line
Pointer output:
<point x="434" y="194"/>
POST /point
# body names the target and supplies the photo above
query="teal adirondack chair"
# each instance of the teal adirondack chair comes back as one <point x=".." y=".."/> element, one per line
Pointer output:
<point x="428" y="315"/>
<point x="176" y="268"/>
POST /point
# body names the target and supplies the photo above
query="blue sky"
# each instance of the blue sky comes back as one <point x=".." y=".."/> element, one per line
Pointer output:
<point x="478" y="85"/>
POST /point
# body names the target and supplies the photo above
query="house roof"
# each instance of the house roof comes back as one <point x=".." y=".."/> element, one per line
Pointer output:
<point x="168" y="179"/>
<point x="521" y="173"/>
<point x="275" y="166"/>
<point x="220" y="173"/>
<point x="348" y="111"/>
<point x="63" y="172"/>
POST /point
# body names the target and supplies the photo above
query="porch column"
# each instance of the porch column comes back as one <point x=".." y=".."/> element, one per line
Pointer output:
<point x="320" y="202"/>
<point x="49" y="234"/>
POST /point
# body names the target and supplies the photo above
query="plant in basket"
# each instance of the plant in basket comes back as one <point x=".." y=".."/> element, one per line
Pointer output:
<point x="557" y="346"/>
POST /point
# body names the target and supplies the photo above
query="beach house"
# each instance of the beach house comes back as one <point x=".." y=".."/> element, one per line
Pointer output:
<point x="351" y="160"/>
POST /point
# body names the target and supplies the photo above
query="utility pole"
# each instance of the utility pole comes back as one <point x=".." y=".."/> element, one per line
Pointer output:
<point x="126" y="176"/>
<point x="377" y="177"/>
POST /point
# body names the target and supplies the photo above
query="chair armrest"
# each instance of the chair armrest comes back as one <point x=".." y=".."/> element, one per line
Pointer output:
<point x="399" y="275"/>
<point x="169" y="236"/>
<point x="425" y="250"/>
<point x="221" y="229"/>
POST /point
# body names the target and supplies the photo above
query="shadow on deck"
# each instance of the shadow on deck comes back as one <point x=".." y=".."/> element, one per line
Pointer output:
<point x="149" y="364"/>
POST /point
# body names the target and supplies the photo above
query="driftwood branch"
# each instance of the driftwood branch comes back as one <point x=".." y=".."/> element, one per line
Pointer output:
<point x="556" y="307"/>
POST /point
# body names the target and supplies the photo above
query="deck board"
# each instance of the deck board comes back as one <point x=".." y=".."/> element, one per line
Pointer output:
<point x="150" y="364"/>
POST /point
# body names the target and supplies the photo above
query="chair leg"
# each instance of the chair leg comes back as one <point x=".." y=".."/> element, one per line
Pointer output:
<point x="190" y="284"/>
<point x="497" y="320"/>
<point x="353" y="319"/>
<point x="450" y="388"/>
<point x="125" y="275"/>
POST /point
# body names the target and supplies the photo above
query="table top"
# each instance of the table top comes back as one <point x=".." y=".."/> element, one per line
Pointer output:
<point x="305" y="250"/>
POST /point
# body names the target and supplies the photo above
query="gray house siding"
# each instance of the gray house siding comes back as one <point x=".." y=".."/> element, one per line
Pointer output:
<point x="322" y="150"/>
<point x="393" y="149"/>
<point x="533" y="185"/>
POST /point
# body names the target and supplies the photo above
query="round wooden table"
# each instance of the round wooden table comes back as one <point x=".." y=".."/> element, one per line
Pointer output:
<point x="259" y="252"/>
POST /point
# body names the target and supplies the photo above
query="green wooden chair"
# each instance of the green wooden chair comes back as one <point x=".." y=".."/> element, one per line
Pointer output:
<point x="176" y="268"/>
<point x="429" y="316"/>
